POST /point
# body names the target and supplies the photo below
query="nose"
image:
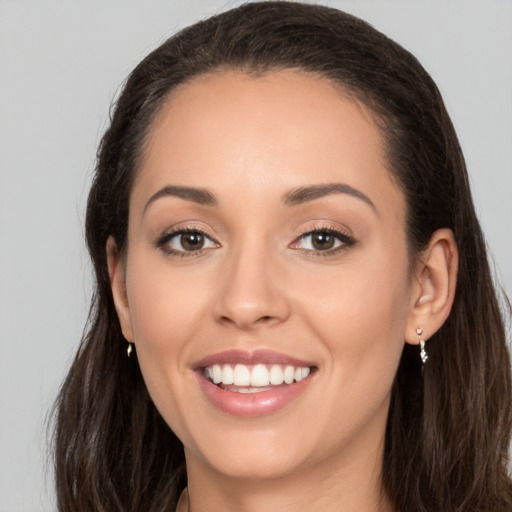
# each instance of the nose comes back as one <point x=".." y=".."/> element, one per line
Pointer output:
<point x="251" y="295"/>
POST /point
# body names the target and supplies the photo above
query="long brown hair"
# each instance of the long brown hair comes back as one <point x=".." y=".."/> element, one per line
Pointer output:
<point x="448" y="429"/>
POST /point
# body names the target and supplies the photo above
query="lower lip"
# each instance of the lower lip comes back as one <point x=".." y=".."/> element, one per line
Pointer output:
<point x="250" y="405"/>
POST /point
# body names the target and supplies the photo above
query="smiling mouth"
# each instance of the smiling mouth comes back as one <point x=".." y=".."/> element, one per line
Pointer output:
<point x="258" y="378"/>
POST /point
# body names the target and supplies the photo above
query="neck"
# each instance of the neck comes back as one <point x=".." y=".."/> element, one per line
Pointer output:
<point x="350" y="485"/>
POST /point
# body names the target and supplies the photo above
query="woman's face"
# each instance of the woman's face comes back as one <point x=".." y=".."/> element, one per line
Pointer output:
<point x="266" y="241"/>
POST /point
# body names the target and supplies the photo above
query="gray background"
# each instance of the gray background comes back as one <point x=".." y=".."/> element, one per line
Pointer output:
<point x="60" y="66"/>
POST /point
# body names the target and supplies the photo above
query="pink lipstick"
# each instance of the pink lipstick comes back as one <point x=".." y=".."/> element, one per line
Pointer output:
<point x="255" y="383"/>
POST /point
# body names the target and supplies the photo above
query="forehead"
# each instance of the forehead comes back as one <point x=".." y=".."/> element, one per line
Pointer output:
<point x="273" y="132"/>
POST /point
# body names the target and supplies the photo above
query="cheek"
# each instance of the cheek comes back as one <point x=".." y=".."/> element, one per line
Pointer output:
<point x="371" y="295"/>
<point x="166" y="306"/>
<point x="359" y="312"/>
<point x="166" y="311"/>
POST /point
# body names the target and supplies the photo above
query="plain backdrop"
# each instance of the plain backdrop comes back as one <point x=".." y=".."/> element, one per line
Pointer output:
<point x="61" y="64"/>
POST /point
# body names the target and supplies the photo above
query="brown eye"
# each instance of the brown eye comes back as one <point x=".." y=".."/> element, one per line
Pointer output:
<point x="192" y="241"/>
<point x="322" y="241"/>
<point x="185" y="241"/>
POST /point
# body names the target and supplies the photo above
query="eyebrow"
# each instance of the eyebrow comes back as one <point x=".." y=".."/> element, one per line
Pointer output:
<point x="303" y="195"/>
<point x="201" y="196"/>
<point x="295" y="197"/>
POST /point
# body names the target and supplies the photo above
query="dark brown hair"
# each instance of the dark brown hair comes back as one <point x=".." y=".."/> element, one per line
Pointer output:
<point x="448" y="429"/>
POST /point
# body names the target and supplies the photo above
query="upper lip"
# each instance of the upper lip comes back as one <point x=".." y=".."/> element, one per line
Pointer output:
<point x="250" y="357"/>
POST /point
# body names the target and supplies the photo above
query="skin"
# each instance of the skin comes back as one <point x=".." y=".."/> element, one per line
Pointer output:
<point x="260" y="284"/>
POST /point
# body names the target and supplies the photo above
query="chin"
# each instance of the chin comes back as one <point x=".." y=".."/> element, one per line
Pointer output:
<point x="254" y="464"/>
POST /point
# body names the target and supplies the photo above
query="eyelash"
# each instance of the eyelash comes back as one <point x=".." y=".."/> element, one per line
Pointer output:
<point x="345" y="240"/>
<point x="162" y="242"/>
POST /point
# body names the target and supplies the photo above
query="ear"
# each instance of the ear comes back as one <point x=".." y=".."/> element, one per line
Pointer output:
<point x="433" y="288"/>
<point x="117" y="282"/>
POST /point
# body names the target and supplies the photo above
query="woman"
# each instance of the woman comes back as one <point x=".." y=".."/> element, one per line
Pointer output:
<point x="294" y="308"/>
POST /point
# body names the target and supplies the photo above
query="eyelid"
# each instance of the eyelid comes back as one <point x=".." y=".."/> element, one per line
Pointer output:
<point x="169" y="234"/>
<point x="346" y="240"/>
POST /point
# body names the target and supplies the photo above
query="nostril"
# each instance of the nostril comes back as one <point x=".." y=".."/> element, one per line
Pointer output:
<point x="266" y="320"/>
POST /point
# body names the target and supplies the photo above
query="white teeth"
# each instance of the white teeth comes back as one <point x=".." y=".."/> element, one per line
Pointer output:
<point x="304" y="372"/>
<point x="259" y="376"/>
<point x="289" y="374"/>
<point x="252" y="379"/>
<point x="217" y="374"/>
<point x="227" y="375"/>
<point x="242" y="375"/>
<point x="251" y="390"/>
<point x="276" y="375"/>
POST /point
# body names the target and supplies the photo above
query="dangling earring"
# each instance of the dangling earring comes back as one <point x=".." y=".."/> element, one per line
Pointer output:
<point x="423" y="352"/>
<point x="129" y="349"/>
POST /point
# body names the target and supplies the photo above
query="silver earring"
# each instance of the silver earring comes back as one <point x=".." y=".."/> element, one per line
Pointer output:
<point x="423" y="352"/>
<point x="129" y="350"/>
